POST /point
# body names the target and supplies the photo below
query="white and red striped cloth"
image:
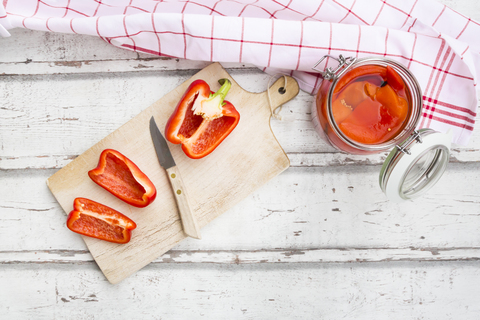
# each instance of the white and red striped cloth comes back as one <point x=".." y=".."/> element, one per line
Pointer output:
<point x="440" y="46"/>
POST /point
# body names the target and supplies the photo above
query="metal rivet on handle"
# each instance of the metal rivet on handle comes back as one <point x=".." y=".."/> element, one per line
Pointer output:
<point x="173" y="175"/>
<point x="179" y="191"/>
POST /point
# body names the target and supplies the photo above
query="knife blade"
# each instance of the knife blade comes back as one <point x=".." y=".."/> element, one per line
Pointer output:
<point x="165" y="158"/>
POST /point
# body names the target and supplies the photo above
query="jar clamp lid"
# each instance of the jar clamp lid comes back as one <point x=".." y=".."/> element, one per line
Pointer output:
<point x="413" y="167"/>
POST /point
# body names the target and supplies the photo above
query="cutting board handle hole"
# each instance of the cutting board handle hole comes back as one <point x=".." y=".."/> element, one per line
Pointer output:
<point x="287" y="88"/>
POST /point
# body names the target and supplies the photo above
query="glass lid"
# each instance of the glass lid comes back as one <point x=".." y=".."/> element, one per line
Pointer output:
<point x="413" y="167"/>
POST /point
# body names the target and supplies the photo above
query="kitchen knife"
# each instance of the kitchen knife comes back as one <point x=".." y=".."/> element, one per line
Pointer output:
<point x="165" y="158"/>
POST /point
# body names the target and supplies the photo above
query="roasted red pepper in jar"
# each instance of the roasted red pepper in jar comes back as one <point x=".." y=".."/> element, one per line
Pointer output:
<point x="202" y="119"/>
<point x="96" y="220"/>
<point x="369" y="104"/>
<point x="122" y="178"/>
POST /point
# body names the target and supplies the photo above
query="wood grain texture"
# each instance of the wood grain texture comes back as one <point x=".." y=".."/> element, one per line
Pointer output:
<point x="189" y="222"/>
<point x="393" y="290"/>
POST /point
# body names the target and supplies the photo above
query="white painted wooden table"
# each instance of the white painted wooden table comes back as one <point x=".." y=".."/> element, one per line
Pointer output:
<point x="320" y="241"/>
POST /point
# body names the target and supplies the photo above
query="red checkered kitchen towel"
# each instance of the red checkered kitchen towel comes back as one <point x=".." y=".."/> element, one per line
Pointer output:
<point x="440" y="46"/>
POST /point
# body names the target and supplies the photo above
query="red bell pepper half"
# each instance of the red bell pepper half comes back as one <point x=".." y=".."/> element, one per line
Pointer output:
<point x="96" y="220"/>
<point x="122" y="178"/>
<point x="202" y="119"/>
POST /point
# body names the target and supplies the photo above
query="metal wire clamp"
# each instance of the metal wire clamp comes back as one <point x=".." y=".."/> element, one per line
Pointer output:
<point x="415" y="136"/>
<point x="329" y="72"/>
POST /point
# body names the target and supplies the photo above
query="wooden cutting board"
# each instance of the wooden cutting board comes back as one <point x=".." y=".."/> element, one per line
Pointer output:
<point x="248" y="158"/>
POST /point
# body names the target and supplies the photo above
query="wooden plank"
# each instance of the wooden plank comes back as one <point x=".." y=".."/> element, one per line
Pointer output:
<point x="56" y="53"/>
<point x="390" y="290"/>
<point x="49" y="131"/>
<point x="261" y="256"/>
<point x="76" y="113"/>
<point x="339" y="208"/>
<point x="30" y="47"/>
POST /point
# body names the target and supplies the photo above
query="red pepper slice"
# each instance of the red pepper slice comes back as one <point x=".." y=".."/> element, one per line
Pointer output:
<point x="365" y="123"/>
<point x="347" y="100"/>
<point x="358" y="72"/>
<point x="397" y="106"/>
<point x="96" y="220"/>
<point x="122" y="178"/>
<point x="202" y="119"/>
<point x="394" y="79"/>
<point x="372" y="122"/>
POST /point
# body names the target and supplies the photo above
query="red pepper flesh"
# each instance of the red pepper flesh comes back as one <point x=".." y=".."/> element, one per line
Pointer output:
<point x="122" y="178"/>
<point x="358" y="72"/>
<point x="96" y="220"/>
<point x="202" y="119"/>
<point x="394" y="79"/>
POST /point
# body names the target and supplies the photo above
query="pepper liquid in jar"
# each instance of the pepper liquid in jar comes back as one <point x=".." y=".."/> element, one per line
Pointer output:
<point x="371" y="106"/>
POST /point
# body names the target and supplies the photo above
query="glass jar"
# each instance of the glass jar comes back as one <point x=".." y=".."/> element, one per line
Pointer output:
<point x="323" y="113"/>
<point x="419" y="157"/>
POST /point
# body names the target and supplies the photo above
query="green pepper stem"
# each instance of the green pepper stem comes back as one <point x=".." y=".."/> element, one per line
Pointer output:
<point x="222" y="92"/>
